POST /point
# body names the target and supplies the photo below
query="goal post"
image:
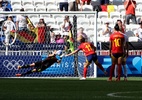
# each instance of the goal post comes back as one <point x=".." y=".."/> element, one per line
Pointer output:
<point x="25" y="50"/>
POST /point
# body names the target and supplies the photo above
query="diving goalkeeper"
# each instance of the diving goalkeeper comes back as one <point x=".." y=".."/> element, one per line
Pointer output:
<point x="39" y="66"/>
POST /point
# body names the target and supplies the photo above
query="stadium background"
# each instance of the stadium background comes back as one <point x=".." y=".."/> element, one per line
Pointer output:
<point x="9" y="63"/>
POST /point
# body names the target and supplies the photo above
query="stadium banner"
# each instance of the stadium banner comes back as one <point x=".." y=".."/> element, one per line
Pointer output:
<point x="9" y="65"/>
<point x="133" y="64"/>
<point x="35" y="46"/>
<point x="65" y="68"/>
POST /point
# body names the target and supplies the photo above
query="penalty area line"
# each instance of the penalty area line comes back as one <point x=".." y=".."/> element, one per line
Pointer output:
<point x="118" y="94"/>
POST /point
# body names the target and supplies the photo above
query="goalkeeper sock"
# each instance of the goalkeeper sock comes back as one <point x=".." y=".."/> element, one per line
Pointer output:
<point x="25" y="66"/>
<point x="111" y="70"/>
<point x="85" y="72"/>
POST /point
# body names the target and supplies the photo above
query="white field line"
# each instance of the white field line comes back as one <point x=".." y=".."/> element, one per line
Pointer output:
<point x="118" y="94"/>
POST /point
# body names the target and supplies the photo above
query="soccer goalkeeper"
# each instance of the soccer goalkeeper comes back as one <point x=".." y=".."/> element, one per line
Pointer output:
<point x="39" y="66"/>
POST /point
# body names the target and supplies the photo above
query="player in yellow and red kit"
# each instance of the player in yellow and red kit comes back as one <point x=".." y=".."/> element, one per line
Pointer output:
<point x="89" y="51"/>
<point x="116" y="51"/>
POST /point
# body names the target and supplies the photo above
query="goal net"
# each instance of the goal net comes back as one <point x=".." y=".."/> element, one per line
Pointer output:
<point x="27" y="37"/>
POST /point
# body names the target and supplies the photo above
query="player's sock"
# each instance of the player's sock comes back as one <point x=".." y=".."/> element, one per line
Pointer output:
<point x="85" y="72"/>
<point x="116" y="71"/>
<point x="111" y="70"/>
<point x="29" y="72"/>
<point x="125" y="71"/>
<point x="119" y="71"/>
<point x="25" y="66"/>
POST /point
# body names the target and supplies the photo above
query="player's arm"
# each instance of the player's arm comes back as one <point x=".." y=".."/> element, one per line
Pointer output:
<point x="110" y="47"/>
<point x="50" y="55"/>
<point x="127" y="49"/>
<point x="73" y="52"/>
<point x="53" y="54"/>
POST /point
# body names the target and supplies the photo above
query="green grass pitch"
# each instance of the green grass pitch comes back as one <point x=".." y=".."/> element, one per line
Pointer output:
<point x="70" y="89"/>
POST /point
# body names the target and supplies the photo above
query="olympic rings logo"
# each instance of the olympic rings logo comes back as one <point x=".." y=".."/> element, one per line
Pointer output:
<point x="10" y="65"/>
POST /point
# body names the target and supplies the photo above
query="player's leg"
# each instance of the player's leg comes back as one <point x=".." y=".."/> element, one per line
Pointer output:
<point x="87" y="63"/>
<point x="26" y="73"/>
<point x="95" y="59"/>
<point x="38" y="69"/>
<point x="100" y="66"/>
<point x="124" y="68"/>
<point x="85" y="70"/>
<point x="125" y="72"/>
<point x="115" y="71"/>
<point x="114" y="62"/>
<point x="39" y="63"/>
<point x="31" y="65"/>
<point x="119" y="68"/>
<point x="26" y="66"/>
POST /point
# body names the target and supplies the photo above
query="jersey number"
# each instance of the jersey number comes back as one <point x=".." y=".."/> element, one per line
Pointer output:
<point x="117" y="42"/>
<point x="87" y="47"/>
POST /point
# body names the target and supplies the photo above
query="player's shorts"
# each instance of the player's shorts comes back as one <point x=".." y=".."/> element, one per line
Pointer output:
<point x="117" y="55"/>
<point x="92" y="57"/>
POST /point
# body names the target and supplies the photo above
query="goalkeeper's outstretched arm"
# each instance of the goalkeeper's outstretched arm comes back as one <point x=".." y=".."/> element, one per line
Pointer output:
<point x="53" y="54"/>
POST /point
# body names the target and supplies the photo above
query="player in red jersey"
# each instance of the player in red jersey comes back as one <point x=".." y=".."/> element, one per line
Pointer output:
<point x="89" y="51"/>
<point x="126" y="51"/>
<point x="116" y="51"/>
